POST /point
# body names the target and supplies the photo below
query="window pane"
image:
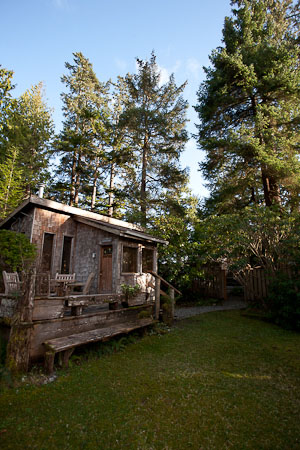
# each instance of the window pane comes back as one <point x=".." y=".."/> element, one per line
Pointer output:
<point x="147" y="257"/>
<point x="47" y="252"/>
<point x="129" y="259"/>
<point x="66" y="256"/>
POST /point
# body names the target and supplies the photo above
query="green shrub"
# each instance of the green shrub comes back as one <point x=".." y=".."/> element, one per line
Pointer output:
<point x="16" y="251"/>
<point x="283" y="302"/>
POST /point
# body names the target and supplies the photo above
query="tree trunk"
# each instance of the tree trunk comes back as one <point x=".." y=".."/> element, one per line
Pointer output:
<point x="77" y="180"/>
<point x="95" y="179"/>
<point x="111" y="187"/>
<point x="18" y="349"/>
<point x="143" y="183"/>
<point x="73" y="176"/>
<point x="271" y="189"/>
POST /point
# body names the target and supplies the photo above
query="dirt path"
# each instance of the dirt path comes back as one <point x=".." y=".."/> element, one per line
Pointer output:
<point x="185" y="312"/>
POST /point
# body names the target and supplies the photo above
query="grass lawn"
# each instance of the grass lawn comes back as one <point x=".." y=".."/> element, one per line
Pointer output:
<point x="215" y="381"/>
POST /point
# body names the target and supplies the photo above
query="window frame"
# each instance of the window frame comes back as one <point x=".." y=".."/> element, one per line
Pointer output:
<point x="71" y="252"/>
<point x="153" y="254"/>
<point x="52" y="250"/>
<point x="133" y="247"/>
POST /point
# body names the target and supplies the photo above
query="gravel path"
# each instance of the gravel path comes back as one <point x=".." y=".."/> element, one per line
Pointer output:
<point x="185" y="312"/>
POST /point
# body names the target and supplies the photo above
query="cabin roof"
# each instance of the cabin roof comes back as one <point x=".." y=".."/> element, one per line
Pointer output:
<point x="109" y="224"/>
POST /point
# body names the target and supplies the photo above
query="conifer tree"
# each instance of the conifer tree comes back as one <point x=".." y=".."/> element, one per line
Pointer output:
<point x="11" y="182"/>
<point x="80" y="143"/>
<point x="155" y="119"/>
<point x="26" y="131"/>
<point x="249" y="107"/>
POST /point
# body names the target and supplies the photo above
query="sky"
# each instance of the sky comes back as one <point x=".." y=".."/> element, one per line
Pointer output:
<point x="39" y="36"/>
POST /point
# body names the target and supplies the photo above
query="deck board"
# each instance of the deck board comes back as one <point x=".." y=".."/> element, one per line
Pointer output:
<point x="86" y="337"/>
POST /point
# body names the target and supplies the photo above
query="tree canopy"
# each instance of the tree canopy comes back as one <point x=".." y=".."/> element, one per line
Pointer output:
<point x="249" y="110"/>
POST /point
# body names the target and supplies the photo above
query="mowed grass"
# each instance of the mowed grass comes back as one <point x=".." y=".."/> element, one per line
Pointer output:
<point x="215" y="381"/>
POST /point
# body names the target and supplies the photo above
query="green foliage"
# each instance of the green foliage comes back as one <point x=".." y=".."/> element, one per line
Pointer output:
<point x="25" y="136"/>
<point x="257" y="236"/>
<point x="130" y="291"/>
<point x="16" y="251"/>
<point x="11" y="180"/>
<point x="283" y="301"/>
<point x="154" y="118"/>
<point x="80" y="143"/>
<point x="249" y="108"/>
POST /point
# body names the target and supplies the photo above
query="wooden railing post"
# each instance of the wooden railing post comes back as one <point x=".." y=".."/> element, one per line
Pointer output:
<point x="157" y="297"/>
<point x="18" y="348"/>
<point x="172" y="296"/>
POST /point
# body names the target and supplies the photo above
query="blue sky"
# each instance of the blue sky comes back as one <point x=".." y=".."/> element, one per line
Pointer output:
<point x="39" y="36"/>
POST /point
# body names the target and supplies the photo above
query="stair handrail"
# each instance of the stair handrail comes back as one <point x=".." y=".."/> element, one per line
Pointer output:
<point x="164" y="281"/>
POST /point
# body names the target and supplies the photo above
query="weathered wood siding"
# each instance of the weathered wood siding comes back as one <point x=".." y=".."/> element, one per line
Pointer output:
<point x="45" y="330"/>
<point x="24" y="223"/>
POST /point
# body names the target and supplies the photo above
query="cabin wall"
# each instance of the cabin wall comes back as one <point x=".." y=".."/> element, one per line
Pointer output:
<point x="23" y="224"/>
<point x="87" y="254"/>
<point x="138" y="277"/>
<point x="58" y="224"/>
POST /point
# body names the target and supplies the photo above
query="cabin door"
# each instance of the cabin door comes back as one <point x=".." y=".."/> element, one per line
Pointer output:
<point x="106" y="269"/>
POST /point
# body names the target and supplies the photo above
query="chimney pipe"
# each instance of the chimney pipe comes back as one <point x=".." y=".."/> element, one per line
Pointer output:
<point x="41" y="190"/>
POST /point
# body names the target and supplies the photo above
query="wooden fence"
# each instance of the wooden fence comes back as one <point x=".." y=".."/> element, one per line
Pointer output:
<point x="256" y="285"/>
<point x="213" y="283"/>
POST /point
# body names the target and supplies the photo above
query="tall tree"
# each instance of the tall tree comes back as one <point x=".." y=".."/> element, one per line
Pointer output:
<point x="32" y="134"/>
<point x="155" y="119"/>
<point x="26" y="132"/>
<point x="249" y="107"/>
<point x="81" y="140"/>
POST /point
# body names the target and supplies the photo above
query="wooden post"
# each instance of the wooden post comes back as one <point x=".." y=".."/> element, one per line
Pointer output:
<point x="172" y="296"/>
<point x="224" y="283"/>
<point x="157" y="297"/>
<point x="17" y="357"/>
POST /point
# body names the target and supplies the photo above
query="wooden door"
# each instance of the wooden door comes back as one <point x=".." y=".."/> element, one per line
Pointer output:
<point x="106" y="269"/>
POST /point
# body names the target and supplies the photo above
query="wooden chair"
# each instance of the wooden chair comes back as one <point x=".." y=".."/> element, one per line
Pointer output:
<point x="65" y="277"/>
<point x="11" y="282"/>
<point x="85" y="286"/>
<point x="42" y="284"/>
<point x="62" y="282"/>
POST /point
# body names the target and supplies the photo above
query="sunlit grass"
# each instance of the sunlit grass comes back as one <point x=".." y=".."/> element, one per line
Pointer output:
<point x="217" y="381"/>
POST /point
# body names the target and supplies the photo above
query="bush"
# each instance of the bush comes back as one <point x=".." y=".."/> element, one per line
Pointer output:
<point x="16" y="252"/>
<point x="283" y="301"/>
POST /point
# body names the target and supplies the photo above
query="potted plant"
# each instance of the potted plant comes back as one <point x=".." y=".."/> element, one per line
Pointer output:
<point x="129" y="292"/>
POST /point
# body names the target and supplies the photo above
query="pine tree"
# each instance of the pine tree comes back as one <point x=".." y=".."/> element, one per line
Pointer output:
<point x="80" y="143"/>
<point x="26" y="131"/>
<point x="155" y="119"/>
<point x="32" y="131"/>
<point x="249" y="107"/>
<point x="11" y="180"/>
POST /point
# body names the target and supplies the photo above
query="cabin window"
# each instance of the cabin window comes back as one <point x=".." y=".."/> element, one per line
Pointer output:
<point x="47" y="252"/>
<point x="66" y="255"/>
<point x="129" y="263"/>
<point x="147" y="259"/>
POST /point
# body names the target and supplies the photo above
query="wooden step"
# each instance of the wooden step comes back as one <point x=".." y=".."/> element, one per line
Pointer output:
<point x="68" y="343"/>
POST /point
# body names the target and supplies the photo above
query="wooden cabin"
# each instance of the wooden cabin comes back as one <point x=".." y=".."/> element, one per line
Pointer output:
<point x="71" y="240"/>
<point x="74" y="241"/>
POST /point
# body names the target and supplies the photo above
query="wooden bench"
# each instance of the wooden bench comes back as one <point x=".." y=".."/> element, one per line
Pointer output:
<point x="66" y="345"/>
<point x="11" y="282"/>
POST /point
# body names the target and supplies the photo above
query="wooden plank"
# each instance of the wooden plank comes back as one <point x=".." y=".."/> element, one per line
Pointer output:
<point x="157" y="298"/>
<point x="75" y="340"/>
<point x="44" y="330"/>
<point x="101" y="298"/>
<point x="48" y="309"/>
